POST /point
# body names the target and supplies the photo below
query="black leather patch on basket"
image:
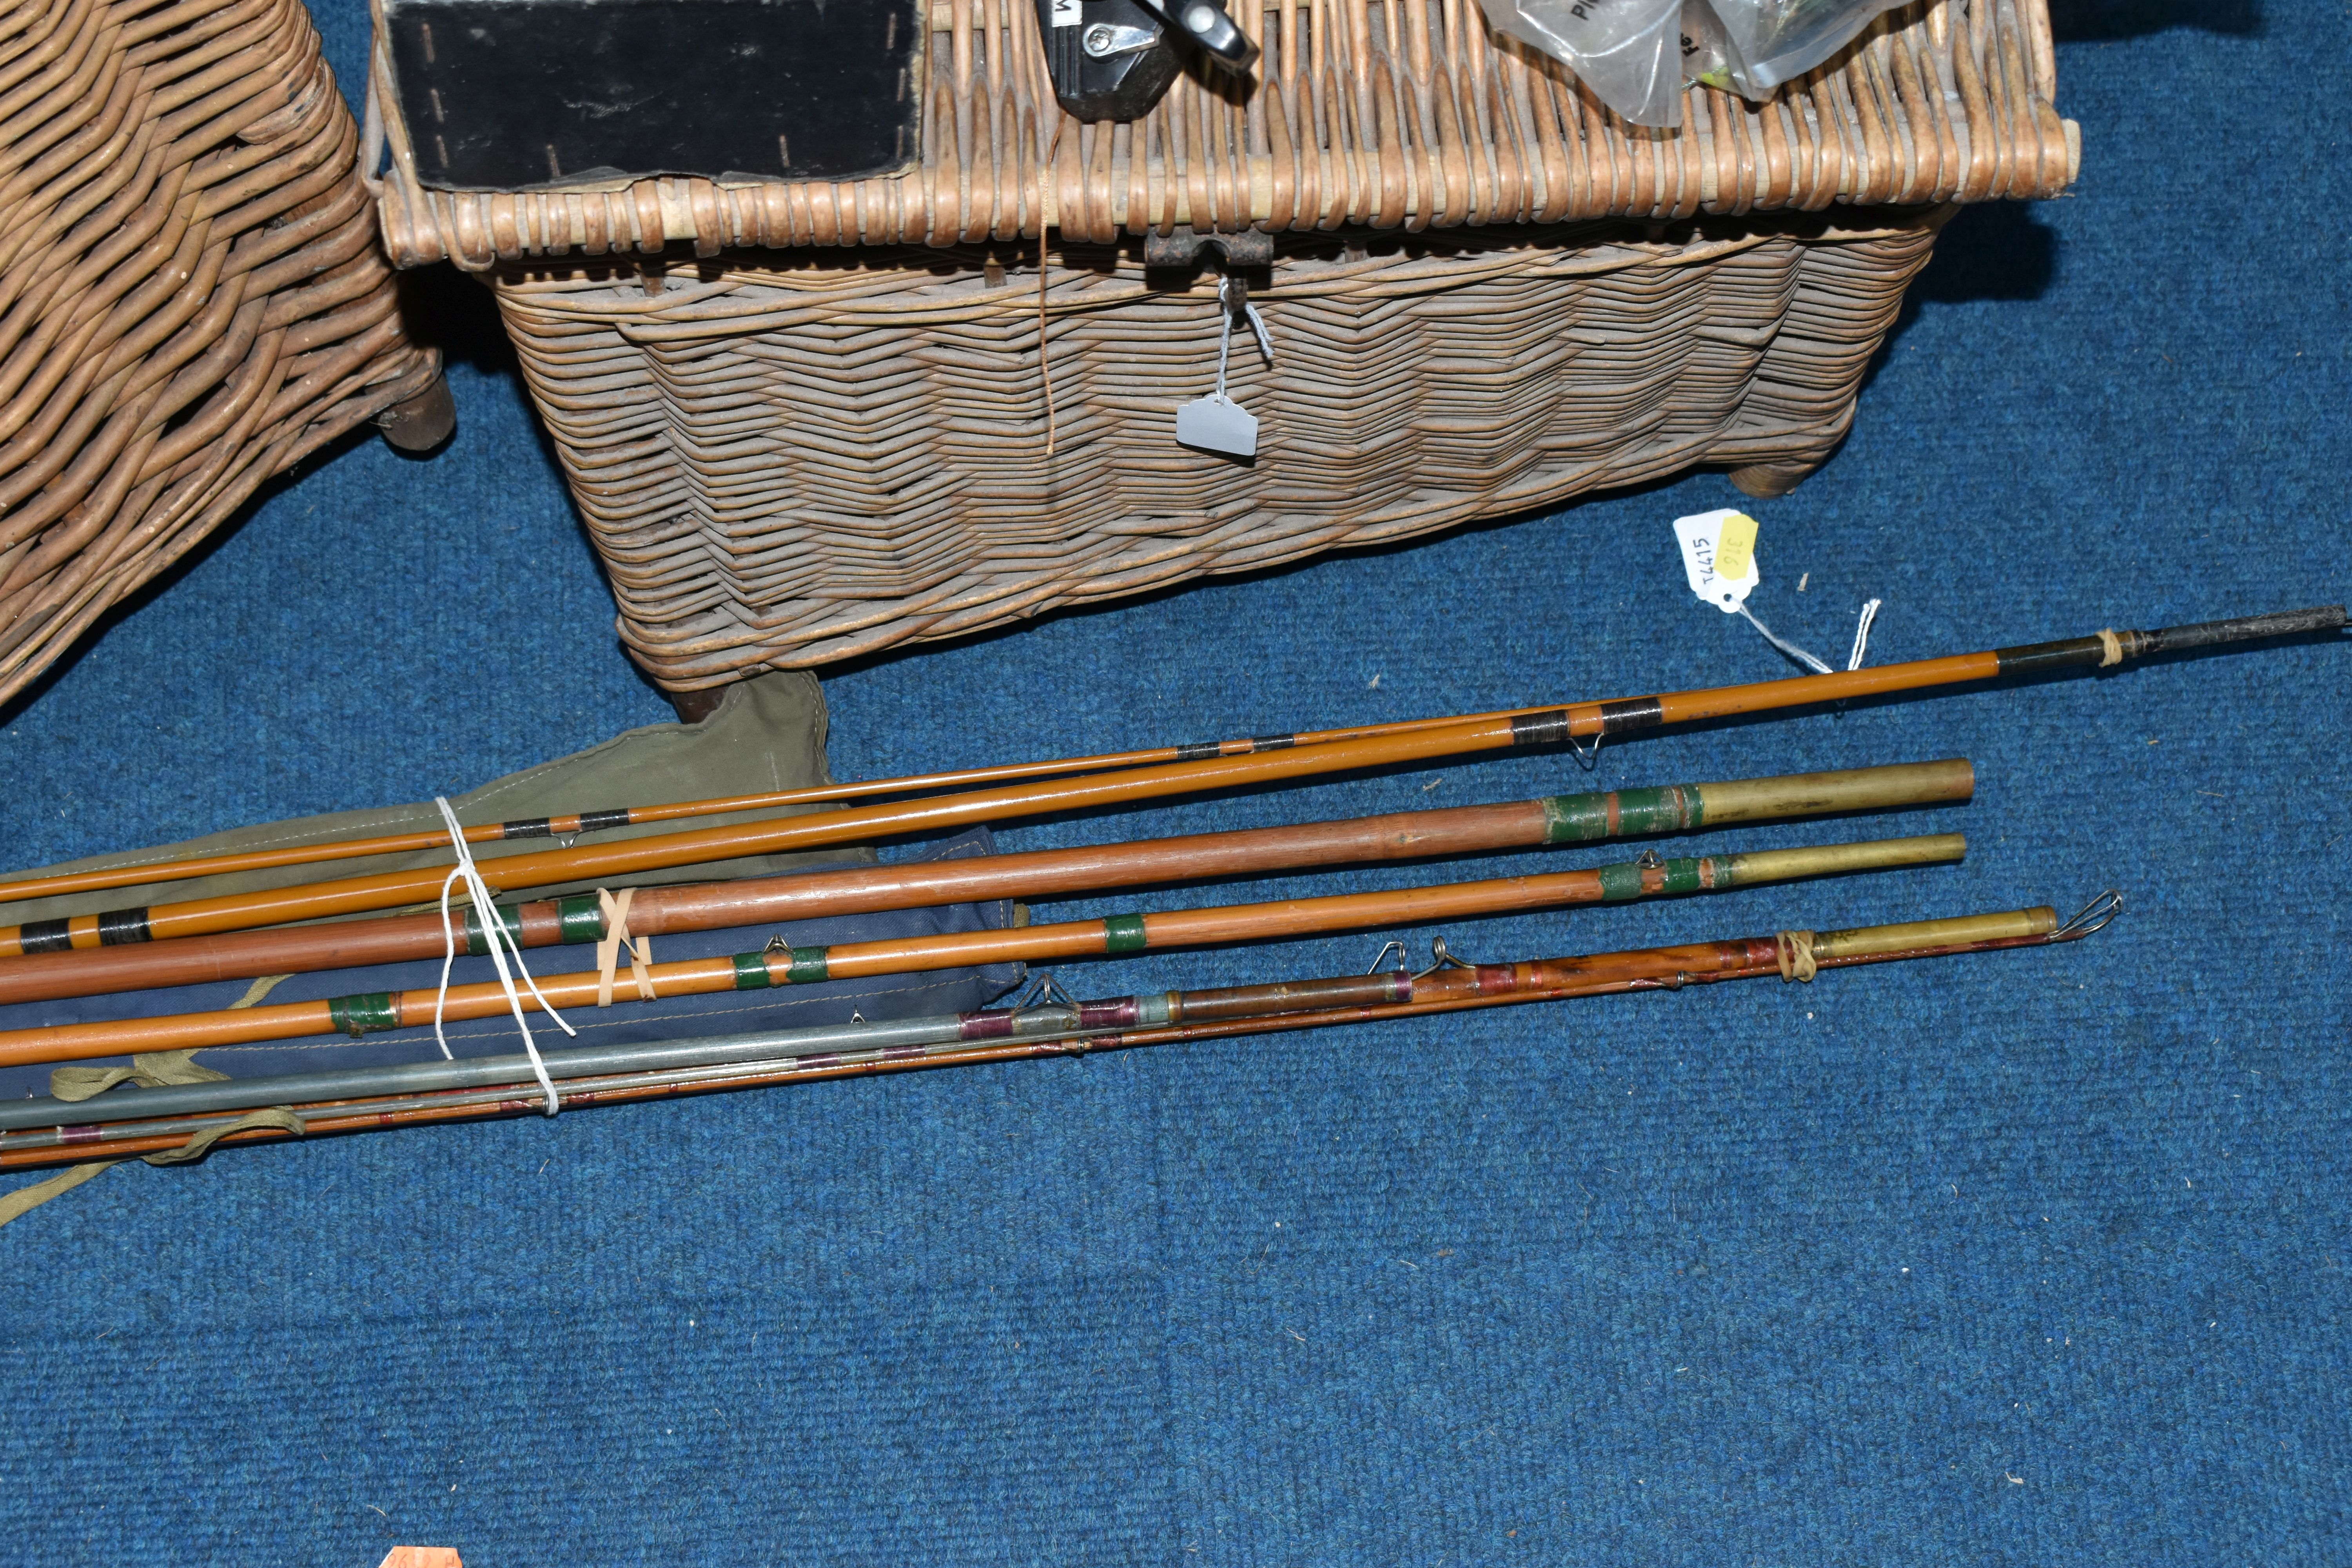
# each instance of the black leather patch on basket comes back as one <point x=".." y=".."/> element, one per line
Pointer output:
<point x="518" y="93"/>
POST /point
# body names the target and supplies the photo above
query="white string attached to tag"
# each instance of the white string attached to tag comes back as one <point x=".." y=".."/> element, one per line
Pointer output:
<point x="1862" y="633"/>
<point x="501" y="942"/>
<point x="1791" y="650"/>
<point x="1216" y="423"/>
<point x="1233" y="291"/>
<point x="1719" y="558"/>
<point x="1854" y="659"/>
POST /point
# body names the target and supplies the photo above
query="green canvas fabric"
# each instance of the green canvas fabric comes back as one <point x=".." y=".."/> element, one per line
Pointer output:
<point x="768" y="734"/>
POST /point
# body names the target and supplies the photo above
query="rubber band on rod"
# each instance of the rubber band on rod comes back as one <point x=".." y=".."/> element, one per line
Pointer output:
<point x="501" y="942"/>
<point x="618" y="939"/>
<point x="1794" y="949"/>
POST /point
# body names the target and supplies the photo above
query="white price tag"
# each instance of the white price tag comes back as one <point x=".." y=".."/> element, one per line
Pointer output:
<point x="1217" y="423"/>
<point x="1069" y="13"/>
<point x="1719" y="557"/>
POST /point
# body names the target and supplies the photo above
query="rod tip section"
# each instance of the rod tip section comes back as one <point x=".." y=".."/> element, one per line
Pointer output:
<point x="2091" y="918"/>
<point x="2245" y="628"/>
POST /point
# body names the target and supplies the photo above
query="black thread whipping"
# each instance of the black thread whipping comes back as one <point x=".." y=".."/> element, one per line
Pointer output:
<point x="1548" y="728"/>
<point x="530" y="827"/>
<point x="119" y="928"/>
<point x="598" y="821"/>
<point x="1631" y="713"/>
<point x="1199" y="751"/>
<point x="1272" y="743"/>
<point x="45" y="936"/>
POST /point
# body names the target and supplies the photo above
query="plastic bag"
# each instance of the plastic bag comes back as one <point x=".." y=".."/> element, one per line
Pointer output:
<point x="1629" y="52"/>
<point x="1767" y="42"/>
<point x="1707" y="53"/>
<point x="1638" y="55"/>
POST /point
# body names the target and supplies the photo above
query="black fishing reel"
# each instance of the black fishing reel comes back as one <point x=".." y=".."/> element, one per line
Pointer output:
<point x="1111" y="59"/>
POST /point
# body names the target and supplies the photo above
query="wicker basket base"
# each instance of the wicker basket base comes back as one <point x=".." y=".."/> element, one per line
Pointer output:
<point x="789" y="459"/>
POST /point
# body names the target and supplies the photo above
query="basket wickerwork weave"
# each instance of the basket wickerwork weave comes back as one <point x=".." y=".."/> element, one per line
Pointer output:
<point x="191" y="294"/>
<point x="1379" y="113"/>
<point x="791" y="463"/>
<point x="1488" y="294"/>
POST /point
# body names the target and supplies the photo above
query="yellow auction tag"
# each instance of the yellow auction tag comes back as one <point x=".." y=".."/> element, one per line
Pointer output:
<point x="1735" y="547"/>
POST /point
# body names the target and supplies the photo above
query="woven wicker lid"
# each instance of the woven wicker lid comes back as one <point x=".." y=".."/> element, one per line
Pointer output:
<point x="1379" y="113"/>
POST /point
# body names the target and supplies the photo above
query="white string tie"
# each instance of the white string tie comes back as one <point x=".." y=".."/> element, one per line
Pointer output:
<point x="502" y="942"/>
<point x="1250" y="318"/>
<point x="1791" y="650"/>
<point x="1247" y="315"/>
<point x="1853" y="660"/>
<point x="1862" y="635"/>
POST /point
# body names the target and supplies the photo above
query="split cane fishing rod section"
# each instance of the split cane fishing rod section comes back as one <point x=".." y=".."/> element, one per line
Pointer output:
<point x="127" y="1124"/>
<point x="1650" y="877"/>
<point x="662" y="910"/>
<point x="1135" y="775"/>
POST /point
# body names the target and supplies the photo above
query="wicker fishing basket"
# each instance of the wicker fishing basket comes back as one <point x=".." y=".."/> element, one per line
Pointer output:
<point x="1486" y="293"/>
<point x="191" y="294"/>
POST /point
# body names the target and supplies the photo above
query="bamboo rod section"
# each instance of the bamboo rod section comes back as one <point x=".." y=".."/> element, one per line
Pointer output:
<point x="362" y="895"/>
<point x="1120" y="934"/>
<point x="656" y="911"/>
<point x="436" y="1091"/>
<point x="1583" y="720"/>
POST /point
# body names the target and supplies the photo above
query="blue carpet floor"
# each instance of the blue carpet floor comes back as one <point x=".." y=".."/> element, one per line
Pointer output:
<point x="2037" y="1257"/>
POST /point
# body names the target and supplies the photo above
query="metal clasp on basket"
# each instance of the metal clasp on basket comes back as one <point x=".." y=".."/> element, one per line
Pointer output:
<point x="1179" y="246"/>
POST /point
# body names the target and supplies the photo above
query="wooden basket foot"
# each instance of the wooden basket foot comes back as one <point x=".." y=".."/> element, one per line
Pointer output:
<point x="422" y="422"/>
<point x="1769" y="481"/>
<point x="694" y="706"/>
